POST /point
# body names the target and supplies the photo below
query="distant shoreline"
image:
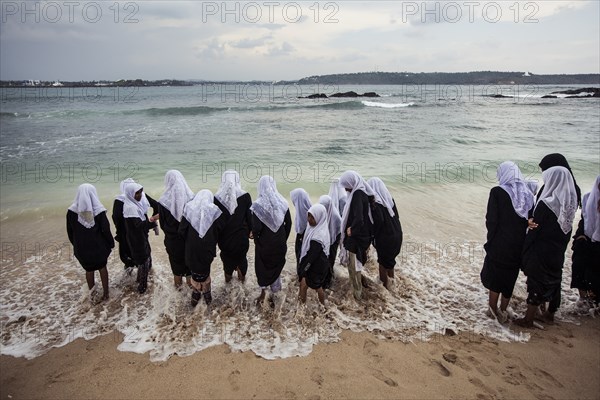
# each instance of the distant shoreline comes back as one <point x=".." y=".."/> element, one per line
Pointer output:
<point x="363" y="78"/>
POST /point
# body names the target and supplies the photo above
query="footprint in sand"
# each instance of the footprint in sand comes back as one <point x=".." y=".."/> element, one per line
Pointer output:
<point x="316" y="377"/>
<point x="480" y="385"/>
<point x="388" y="381"/>
<point x="233" y="380"/>
<point x="541" y="373"/>
<point x="440" y="368"/>
<point x="480" y="368"/>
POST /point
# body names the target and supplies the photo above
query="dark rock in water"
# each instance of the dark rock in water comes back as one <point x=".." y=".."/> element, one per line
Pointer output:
<point x="581" y="97"/>
<point x="499" y="96"/>
<point x="549" y="96"/>
<point x="315" y="96"/>
<point x="595" y="92"/>
<point x="345" y="94"/>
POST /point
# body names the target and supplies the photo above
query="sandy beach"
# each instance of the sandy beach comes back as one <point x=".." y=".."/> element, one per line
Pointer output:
<point x="562" y="362"/>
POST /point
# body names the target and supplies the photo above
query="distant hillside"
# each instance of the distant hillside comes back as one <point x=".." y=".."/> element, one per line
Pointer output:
<point x="451" y="78"/>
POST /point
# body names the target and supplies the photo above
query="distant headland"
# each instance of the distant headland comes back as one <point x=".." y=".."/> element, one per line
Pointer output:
<point x="359" y="78"/>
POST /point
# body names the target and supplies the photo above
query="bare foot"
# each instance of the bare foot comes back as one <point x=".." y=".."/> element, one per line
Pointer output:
<point x="548" y="318"/>
<point x="241" y="276"/>
<point x="261" y="298"/>
<point x="228" y="278"/>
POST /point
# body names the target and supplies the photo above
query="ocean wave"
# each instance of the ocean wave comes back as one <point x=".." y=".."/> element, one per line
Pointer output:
<point x="386" y="105"/>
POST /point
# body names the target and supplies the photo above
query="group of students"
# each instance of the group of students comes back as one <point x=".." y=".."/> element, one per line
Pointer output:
<point x="354" y="215"/>
<point x="529" y="230"/>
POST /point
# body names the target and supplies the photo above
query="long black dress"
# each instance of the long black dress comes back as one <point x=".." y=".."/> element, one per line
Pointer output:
<point x="174" y="243"/>
<point x="586" y="262"/>
<point x="387" y="235"/>
<point x="359" y="221"/>
<point x="504" y="246"/>
<point x="201" y="251"/>
<point x="91" y="246"/>
<point x="136" y="231"/>
<point x="270" y="249"/>
<point x="314" y="266"/>
<point x="233" y="240"/>
<point x="120" y="232"/>
<point x="543" y="258"/>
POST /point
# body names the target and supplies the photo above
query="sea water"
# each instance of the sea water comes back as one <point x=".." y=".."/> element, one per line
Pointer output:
<point x="436" y="147"/>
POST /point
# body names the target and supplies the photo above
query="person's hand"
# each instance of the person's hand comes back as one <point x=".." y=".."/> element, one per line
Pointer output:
<point x="349" y="231"/>
<point x="251" y="235"/>
<point x="154" y="218"/>
<point x="531" y="224"/>
<point x="581" y="237"/>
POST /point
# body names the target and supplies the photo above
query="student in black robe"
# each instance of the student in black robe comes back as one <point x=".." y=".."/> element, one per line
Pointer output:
<point x="586" y="248"/>
<point x="89" y="233"/>
<point x="334" y="221"/>
<point x="201" y="225"/>
<point x="508" y="206"/>
<point x="546" y="242"/>
<point x="177" y="194"/>
<point x="558" y="160"/>
<point x="301" y="201"/>
<point x="356" y="228"/>
<point x="387" y="230"/>
<point x="313" y="267"/>
<point x="271" y="226"/>
<point x="137" y="225"/>
<point x="119" y="222"/>
<point x="234" y="240"/>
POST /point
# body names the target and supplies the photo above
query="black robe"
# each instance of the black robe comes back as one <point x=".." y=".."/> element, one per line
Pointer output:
<point x="270" y="249"/>
<point x="314" y="266"/>
<point x="91" y="246"/>
<point x="201" y="251"/>
<point x="137" y="238"/>
<point x="504" y="246"/>
<point x="120" y="231"/>
<point x="586" y="262"/>
<point x="233" y="240"/>
<point x="543" y="258"/>
<point x="360" y="224"/>
<point x="387" y="234"/>
<point x="331" y="259"/>
<point x="174" y="244"/>
<point x="298" y="245"/>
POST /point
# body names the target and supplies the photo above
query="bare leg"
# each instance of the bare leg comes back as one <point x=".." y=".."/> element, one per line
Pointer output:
<point x="504" y="303"/>
<point x="390" y="272"/>
<point x="177" y="281"/>
<point x="228" y="278"/>
<point x="321" y="294"/>
<point x="241" y="276"/>
<point x="493" y="302"/>
<point x="104" y="279"/>
<point x="261" y="298"/>
<point x="527" y="321"/>
<point x="355" y="276"/>
<point x="188" y="280"/>
<point x="89" y="277"/>
<point x="303" y="290"/>
<point x="383" y="275"/>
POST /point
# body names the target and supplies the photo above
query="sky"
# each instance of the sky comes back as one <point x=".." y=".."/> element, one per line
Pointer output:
<point x="75" y="40"/>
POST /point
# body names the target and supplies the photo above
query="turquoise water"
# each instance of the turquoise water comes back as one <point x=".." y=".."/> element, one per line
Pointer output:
<point x="436" y="147"/>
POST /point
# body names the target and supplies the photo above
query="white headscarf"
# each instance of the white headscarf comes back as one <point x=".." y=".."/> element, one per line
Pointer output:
<point x="131" y="207"/>
<point x="230" y="190"/>
<point x="87" y="205"/>
<point x="201" y="212"/>
<point x="177" y="193"/>
<point x="532" y="185"/>
<point x="319" y="233"/>
<point x="591" y="215"/>
<point x="122" y="196"/>
<point x="352" y="180"/>
<point x="270" y="206"/>
<point x="334" y="219"/>
<point x="301" y="202"/>
<point x="511" y="180"/>
<point x="560" y="196"/>
<point x="122" y="185"/>
<point x="338" y="195"/>
<point x="382" y="194"/>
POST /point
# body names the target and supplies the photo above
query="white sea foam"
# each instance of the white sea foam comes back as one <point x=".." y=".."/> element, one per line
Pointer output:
<point x="386" y="105"/>
<point x="433" y="293"/>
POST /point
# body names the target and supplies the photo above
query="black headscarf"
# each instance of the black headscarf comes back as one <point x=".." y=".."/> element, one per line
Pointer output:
<point x="558" y="160"/>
